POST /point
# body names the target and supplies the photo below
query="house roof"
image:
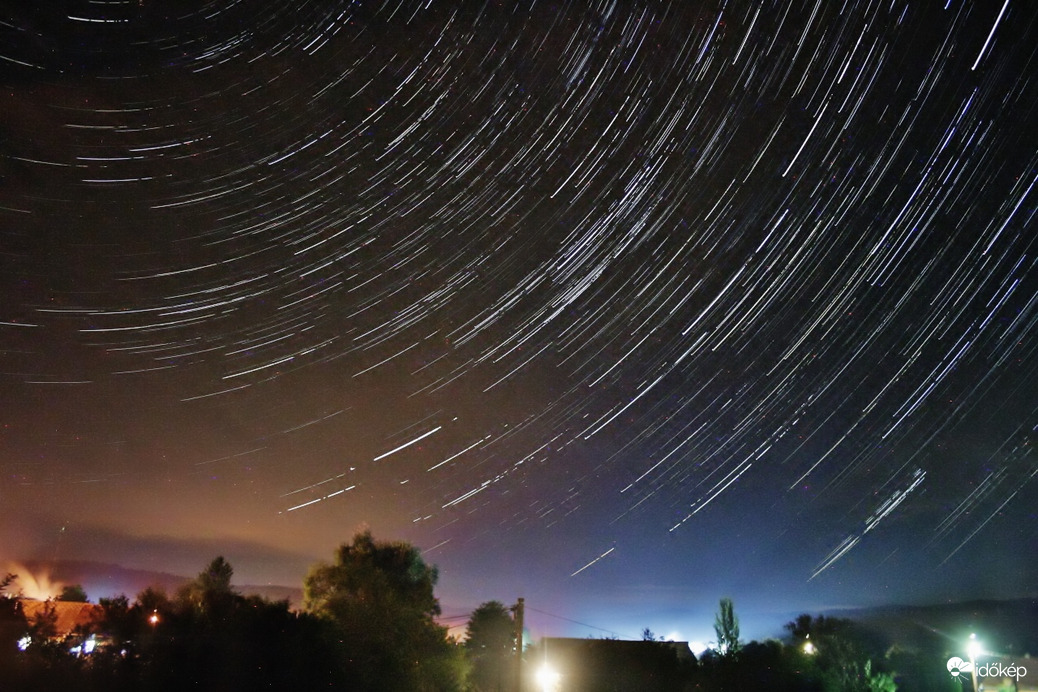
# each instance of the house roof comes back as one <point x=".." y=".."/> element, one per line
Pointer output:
<point x="680" y="650"/>
<point x="601" y="664"/>
<point x="69" y="615"/>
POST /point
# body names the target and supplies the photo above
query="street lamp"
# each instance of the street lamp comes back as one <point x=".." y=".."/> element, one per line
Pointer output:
<point x="974" y="649"/>
<point x="548" y="678"/>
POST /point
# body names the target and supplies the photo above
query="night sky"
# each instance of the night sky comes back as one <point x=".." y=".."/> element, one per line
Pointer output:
<point x="621" y="307"/>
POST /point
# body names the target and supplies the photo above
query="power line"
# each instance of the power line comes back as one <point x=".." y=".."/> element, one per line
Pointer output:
<point x="582" y="624"/>
<point x="444" y="618"/>
<point x="441" y="618"/>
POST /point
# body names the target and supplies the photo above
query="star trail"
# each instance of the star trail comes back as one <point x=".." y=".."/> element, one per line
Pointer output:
<point x="673" y="299"/>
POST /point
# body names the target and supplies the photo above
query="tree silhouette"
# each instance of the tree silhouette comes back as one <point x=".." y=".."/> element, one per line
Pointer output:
<point x="73" y="593"/>
<point x="210" y="639"/>
<point x="726" y="626"/>
<point x="210" y="592"/>
<point x="490" y="645"/>
<point x="379" y="596"/>
<point x="843" y="651"/>
<point x="12" y="621"/>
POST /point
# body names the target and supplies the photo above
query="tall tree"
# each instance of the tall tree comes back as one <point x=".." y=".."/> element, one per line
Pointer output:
<point x="490" y="645"/>
<point x="726" y="626"/>
<point x="380" y="597"/>
<point x="216" y="577"/>
<point x="210" y="592"/>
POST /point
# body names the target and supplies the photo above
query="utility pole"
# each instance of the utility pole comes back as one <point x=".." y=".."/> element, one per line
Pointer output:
<point x="518" y="610"/>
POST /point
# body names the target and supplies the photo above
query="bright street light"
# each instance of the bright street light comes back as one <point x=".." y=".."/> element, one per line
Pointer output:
<point x="974" y="650"/>
<point x="548" y="678"/>
<point x="974" y="647"/>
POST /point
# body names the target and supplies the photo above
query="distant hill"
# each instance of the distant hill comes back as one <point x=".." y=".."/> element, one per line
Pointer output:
<point x="1008" y="628"/>
<point x="102" y="580"/>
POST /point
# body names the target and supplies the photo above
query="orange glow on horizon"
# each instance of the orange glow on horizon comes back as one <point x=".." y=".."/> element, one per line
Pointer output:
<point x="40" y="587"/>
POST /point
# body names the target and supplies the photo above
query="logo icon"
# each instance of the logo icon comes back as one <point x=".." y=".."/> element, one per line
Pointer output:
<point x="957" y="667"/>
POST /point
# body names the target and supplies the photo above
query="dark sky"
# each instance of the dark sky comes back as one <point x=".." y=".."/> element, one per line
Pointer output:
<point x="621" y="307"/>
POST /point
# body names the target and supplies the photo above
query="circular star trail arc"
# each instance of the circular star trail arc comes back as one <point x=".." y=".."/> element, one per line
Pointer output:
<point x="464" y="269"/>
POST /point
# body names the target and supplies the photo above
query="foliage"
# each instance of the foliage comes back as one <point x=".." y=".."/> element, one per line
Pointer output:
<point x="878" y="682"/>
<point x="44" y="622"/>
<point x="759" y="666"/>
<point x="922" y="671"/>
<point x="371" y="627"/>
<point x="73" y="593"/>
<point x="216" y="577"/>
<point x="844" y="657"/>
<point x="649" y="636"/>
<point x="726" y="626"/>
<point x="209" y="592"/>
<point x="490" y="646"/>
<point x="251" y="643"/>
<point x="116" y="618"/>
<point x="846" y="654"/>
<point x="154" y="600"/>
<point x="379" y="597"/>
<point x="12" y="621"/>
<point x="367" y="570"/>
<point x="245" y="643"/>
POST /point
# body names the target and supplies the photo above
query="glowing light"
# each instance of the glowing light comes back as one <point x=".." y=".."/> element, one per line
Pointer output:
<point x="38" y="587"/>
<point x="974" y="647"/>
<point x="548" y="678"/>
<point x="974" y="650"/>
